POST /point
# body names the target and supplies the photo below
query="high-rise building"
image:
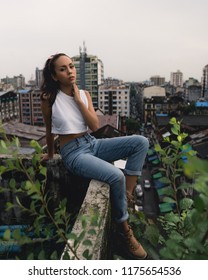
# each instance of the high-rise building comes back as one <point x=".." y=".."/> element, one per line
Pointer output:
<point x="29" y="107"/>
<point x="176" y="79"/>
<point x="157" y="80"/>
<point x="205" y="83"/>
<point x="90" y="73"/>
<point x="115" y="100"/>
<point x="38" y="77"/>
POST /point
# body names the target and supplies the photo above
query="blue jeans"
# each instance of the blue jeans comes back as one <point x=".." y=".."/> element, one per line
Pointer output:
<point x="92" y="158"/>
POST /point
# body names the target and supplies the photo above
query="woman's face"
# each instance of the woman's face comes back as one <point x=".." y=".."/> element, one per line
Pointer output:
<point x="65" y="71"/>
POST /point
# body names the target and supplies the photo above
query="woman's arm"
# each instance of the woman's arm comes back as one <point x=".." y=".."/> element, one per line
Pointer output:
<point x="47" y="111"/>
<point x="88" y="113"/>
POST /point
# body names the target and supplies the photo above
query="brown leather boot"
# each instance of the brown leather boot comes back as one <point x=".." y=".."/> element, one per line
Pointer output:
<point x="131" y="246"/>
<point x="130" y="200"/>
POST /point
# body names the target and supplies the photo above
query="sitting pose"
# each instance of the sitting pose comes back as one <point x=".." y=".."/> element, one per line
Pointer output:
<point x="68" y="112"/>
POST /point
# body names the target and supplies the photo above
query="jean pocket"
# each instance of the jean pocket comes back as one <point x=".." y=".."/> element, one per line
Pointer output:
<point x="67" y="149"/>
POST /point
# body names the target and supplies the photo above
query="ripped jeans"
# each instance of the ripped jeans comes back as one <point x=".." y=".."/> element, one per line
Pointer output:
<point x="92" y="158"/>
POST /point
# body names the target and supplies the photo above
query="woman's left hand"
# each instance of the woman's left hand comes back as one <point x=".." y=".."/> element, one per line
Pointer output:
<point x="76" y="93"/>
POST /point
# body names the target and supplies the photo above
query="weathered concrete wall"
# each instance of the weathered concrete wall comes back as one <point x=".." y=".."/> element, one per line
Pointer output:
<point x="97" y="201"/>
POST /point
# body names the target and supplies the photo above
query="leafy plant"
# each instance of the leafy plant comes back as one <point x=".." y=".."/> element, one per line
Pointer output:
<point x="183" y="232"/>
<point x="46" y="231"/>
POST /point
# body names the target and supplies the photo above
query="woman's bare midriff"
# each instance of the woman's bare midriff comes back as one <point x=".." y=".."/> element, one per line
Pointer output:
<point x="63" y="139"/>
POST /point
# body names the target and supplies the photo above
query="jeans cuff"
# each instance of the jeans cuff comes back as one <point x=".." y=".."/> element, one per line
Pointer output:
<point x="130" y="172"/>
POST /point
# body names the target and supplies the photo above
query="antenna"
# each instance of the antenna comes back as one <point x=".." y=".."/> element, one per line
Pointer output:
<point x="84" y="47"/>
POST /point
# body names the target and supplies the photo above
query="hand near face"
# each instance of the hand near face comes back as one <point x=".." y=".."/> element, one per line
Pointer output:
<point x="76" y="93"/>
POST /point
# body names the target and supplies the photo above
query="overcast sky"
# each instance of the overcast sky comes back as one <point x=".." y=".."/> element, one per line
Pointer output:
<point x="135" y="39"/>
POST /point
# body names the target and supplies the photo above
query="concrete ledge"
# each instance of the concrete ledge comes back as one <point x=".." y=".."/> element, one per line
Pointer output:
<point x="96" y="202"/>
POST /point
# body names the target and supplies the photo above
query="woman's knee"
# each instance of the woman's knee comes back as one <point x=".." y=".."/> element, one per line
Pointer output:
<point x="119" y="177"/>
<point x="141" y="141"/>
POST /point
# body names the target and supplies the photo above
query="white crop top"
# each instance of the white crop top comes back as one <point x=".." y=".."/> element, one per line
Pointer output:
<point x="66" y="116"/>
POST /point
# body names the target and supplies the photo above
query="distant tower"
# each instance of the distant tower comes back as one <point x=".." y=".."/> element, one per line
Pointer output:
<point x="176" y="79"/>
<point x="205" y="82"/>
<point x="90" y="73"/>
<point x="38" y="77"/>
<point x="83" y="56"/>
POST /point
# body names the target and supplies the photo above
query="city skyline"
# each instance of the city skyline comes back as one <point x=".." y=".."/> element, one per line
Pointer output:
<point x="135" y="39"/>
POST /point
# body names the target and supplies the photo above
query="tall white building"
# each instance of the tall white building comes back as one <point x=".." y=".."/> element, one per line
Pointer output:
<point x="176" y="79"/>
<point x="90" y="73"/>
<point x="115" y="100"/>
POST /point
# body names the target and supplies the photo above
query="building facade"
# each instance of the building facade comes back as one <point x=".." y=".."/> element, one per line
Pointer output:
<point x="38" y="77"/>
<point x="176" y="79"/>
<point x="9" y="108"/>
<point x="30" y="108"/>
<point x="157" y="80"/>
<point x="17" y="82"/>
<point x="90" y="73"/>
<point x="149" y="92"/>
<point x="205" y="83"/>
<point x="114" y="100"/>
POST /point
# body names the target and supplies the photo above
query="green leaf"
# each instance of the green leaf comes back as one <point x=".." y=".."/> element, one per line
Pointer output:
<point x="86" y="255"/>
<point x="186" y="203"/>
<point x="175" y="144"/>
<point x="43" y="171"/>
<point x="16" y="234"/>
<point x="9" y="205"/>
<point x="7" y="234"/>
<point x="92" y="232"/>
<point x="199" y="204"/>
<point x="41" y="255"/>
<point x="172" y="121"/>
<point x="34" y="144"/>
<point x="157" y="147"/>
<point x="54" y="255"/>
<point x="172" y="217"/>
<point x="71" y="235"/>
<point x="12" y="183"/>
<point x="176" y="236"/>
<point x="168" y="199"/>
<point x="87" y="242"/>
<point x="165" y="180"/>
<point x="3" y="145"/>
<point x="167" y="191"/>
<point x="174" y="130"/>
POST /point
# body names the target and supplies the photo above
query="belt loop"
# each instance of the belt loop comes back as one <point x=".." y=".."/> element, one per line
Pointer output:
<point x="77" y="141"/>
<point x="85" y="137"/>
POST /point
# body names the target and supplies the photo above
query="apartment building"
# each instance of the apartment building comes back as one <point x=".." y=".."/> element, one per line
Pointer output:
<point x="157" y="80"/>
<point x="90" y="73"/>
<point x="29" y="107"/>
<point x="176" y="78"/>
<point x="114" y="100"/>
<point x="9" y="108"/>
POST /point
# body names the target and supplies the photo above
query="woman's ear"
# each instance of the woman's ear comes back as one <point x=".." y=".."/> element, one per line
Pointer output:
<point x="54" y="78"/>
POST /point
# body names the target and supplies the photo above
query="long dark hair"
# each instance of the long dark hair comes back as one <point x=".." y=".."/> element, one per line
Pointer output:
<point x="50" y="87"/>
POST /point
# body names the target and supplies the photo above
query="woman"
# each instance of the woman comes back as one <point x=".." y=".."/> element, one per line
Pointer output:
<point x="68" y="112"/>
